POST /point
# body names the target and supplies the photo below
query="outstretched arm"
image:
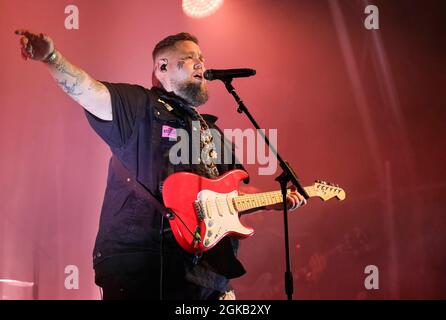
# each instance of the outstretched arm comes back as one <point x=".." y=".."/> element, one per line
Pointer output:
<point x="79" y="85"/>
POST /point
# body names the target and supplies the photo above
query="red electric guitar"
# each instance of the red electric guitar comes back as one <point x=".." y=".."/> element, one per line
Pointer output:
<point x="206" y="210"/>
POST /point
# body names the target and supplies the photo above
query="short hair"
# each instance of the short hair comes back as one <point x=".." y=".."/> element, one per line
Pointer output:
<point x="170" y="41"/>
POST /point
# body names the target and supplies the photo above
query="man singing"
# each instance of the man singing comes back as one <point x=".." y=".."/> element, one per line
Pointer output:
<point x="128" y="258"/>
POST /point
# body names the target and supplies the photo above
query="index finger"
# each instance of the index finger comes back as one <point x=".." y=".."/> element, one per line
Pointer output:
<point x="24" y="32"/>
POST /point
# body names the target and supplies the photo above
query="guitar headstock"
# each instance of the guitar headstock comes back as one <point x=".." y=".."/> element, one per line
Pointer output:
<point x="326" y="190"/>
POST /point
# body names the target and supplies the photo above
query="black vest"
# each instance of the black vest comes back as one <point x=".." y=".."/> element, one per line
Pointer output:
<point x="128" y="223"/>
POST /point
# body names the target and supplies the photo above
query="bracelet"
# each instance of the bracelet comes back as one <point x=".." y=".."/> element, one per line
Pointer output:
<point x="51" y="57"/>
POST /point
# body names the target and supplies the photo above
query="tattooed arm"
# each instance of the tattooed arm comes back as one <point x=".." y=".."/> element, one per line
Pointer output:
<point x="88" y="92"/>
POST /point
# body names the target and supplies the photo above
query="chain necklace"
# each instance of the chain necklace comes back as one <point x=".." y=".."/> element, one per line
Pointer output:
<point x="207" y="147"/>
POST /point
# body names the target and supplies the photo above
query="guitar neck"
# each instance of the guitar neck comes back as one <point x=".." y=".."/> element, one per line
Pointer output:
<point x="259" y="200"/>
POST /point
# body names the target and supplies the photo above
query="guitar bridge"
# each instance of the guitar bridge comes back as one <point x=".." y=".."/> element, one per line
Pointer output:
<point x="199" y="210"/>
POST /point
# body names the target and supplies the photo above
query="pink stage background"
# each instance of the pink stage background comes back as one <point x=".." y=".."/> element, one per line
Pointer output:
<point x="362" y="108"/>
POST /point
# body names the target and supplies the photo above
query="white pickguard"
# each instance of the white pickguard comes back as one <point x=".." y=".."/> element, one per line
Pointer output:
<point x="220" y="216"/>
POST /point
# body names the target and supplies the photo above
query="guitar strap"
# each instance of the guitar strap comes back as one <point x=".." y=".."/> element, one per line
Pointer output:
<point x="129" y="178"/>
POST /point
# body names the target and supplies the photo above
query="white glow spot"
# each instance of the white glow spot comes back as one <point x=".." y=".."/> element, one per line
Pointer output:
<point x="201" y="8"/>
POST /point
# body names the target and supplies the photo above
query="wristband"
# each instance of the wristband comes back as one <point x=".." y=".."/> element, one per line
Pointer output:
<point x="51" y="57"/>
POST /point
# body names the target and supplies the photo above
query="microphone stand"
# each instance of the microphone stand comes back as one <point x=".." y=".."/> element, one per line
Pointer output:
<point x="284" y="178"/>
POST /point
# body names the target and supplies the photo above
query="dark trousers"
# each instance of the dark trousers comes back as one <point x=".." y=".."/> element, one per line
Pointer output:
<point x="137" y="288"/>
<point x="138" y="277"/>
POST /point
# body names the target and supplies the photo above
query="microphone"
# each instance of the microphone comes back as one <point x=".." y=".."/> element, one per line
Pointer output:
<point x="213" y="74"/>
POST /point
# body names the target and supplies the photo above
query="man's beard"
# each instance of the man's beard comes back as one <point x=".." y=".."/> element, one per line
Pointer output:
<point x="194" y="93"/>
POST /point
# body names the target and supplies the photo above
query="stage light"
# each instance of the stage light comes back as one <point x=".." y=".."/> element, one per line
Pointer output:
<point x="201" y="8"/>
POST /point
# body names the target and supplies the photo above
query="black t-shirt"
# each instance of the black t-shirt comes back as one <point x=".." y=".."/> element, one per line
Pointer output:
<point x="129" y="225"/>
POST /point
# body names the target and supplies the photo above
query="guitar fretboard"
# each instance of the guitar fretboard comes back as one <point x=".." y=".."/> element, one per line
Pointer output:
<point x="257" y="200"/>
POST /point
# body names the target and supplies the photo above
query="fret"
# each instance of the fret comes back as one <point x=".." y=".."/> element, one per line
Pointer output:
<point x="257" y="201"/>
<point x="261" y="199"/>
